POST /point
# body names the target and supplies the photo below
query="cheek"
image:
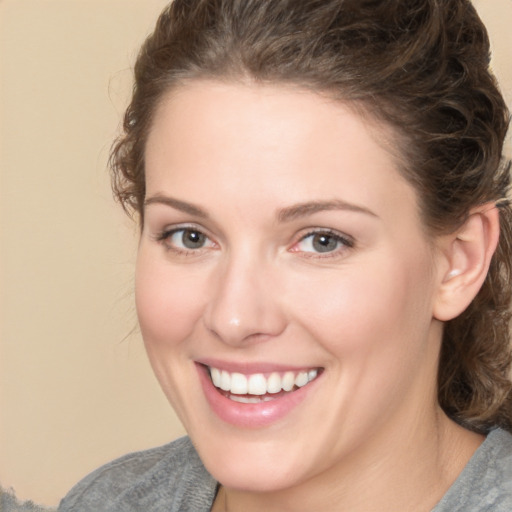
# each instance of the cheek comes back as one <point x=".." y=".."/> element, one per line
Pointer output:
<point x="168" y="302"/>
<point x="375" y="325"/>
<point x="366" y="309"/>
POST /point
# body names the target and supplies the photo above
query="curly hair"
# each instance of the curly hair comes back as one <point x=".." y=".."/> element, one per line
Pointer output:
<point x="422" y="67"/>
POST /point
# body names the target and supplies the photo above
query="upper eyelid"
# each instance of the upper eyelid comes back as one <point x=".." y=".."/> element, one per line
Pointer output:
<point x="173" y="228"/>
<point x="333" y="232"/>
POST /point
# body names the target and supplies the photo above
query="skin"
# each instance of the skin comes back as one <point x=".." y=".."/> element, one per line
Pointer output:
<point x="366" y="312"/>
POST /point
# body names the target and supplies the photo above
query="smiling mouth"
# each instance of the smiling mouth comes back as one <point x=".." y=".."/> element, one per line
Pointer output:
<point x="259" y="387"/>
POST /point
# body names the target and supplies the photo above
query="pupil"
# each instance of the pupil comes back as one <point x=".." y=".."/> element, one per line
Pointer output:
<point x="324" y="243"/>
<point x="193" y="239"/>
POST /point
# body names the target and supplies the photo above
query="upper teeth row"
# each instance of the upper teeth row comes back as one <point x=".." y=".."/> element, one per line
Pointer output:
<point x="257" y="383"/>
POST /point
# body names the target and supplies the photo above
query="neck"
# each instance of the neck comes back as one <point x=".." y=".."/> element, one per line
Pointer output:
<point x="410" y="470"/>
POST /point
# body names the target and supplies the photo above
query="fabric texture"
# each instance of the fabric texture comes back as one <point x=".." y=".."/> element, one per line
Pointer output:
<point x="485" y="484"/>
<point x="173" y="479"/>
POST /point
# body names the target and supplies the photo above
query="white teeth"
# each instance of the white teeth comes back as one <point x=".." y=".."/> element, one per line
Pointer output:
<point x="301" y="379"/>
<point x="216" y="378"/>
<point x="257" y="384"/>
<point x="238" y="384"/>
<point x="225" y="381"/>
<point x="288" y="381"/>
<point x="274" y="383"/>
<point x="250" y="399"/>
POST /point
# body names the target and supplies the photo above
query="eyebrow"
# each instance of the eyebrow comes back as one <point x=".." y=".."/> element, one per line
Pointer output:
<point x="177" y="205"/>
<point x="283" y="215"/>
<point x="303" y="209"/>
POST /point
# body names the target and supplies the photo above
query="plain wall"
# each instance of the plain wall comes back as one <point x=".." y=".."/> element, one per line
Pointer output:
<point x="75" y="386"/>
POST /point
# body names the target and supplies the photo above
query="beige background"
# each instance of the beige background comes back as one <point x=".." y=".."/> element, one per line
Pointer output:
<point x="75" y="387"/>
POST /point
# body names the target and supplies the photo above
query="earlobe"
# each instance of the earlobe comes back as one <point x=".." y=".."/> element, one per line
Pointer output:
<point x="467" y="252"/>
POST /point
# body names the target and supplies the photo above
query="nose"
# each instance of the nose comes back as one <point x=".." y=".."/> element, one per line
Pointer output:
<point x="243" y="306"/>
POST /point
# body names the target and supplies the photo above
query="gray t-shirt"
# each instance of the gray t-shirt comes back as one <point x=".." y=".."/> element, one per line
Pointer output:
<point x="173" y="479"/>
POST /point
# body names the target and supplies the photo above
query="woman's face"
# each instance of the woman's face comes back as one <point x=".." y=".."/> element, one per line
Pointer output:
<point x="283" y="256"/>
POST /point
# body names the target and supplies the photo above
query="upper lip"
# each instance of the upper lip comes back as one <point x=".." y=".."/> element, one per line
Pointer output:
<point x="249" y="368"/>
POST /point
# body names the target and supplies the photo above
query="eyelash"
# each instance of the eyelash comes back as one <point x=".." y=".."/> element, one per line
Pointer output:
<point x="164" y="237"/>
<point x="345" y="242"/>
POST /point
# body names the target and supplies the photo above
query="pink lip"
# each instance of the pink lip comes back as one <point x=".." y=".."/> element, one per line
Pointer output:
<point x="251" y="368"/>
<point x="250" y="415"/>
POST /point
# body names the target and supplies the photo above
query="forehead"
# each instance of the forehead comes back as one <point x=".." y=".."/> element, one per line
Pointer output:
<point x="255" y="105"/>
<point x="270" y="139"/>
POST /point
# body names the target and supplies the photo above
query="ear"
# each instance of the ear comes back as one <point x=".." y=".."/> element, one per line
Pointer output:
<point x="466" y="255"/>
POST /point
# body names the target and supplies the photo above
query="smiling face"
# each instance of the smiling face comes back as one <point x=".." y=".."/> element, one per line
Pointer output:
<point x="283" y="257"/>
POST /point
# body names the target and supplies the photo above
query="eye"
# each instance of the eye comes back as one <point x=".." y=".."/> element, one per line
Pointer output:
<point x="322" y="242"/>
<point x="185" y="239"/>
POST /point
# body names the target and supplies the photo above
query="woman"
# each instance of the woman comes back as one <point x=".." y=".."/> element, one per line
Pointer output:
<point x="323" y="268"/>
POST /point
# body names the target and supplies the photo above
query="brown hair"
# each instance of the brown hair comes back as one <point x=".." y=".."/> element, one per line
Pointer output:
<point x="419" y="65"/>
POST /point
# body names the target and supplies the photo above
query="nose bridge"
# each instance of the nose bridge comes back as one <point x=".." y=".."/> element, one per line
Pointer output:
<point x="242" y="306"/>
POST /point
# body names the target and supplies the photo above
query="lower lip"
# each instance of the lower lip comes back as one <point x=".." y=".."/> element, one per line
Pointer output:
<point x="250" y="415"/>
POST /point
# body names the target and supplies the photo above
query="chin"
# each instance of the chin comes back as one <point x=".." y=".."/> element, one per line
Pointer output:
<point x="250" y="461"/>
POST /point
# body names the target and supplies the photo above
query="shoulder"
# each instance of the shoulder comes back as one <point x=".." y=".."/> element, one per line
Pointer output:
<point x="170" y="478"/>
<point x="485" y="484"/>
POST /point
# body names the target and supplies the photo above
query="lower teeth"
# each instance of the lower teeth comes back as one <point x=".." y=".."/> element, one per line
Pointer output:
<point x="250" y="399"/>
